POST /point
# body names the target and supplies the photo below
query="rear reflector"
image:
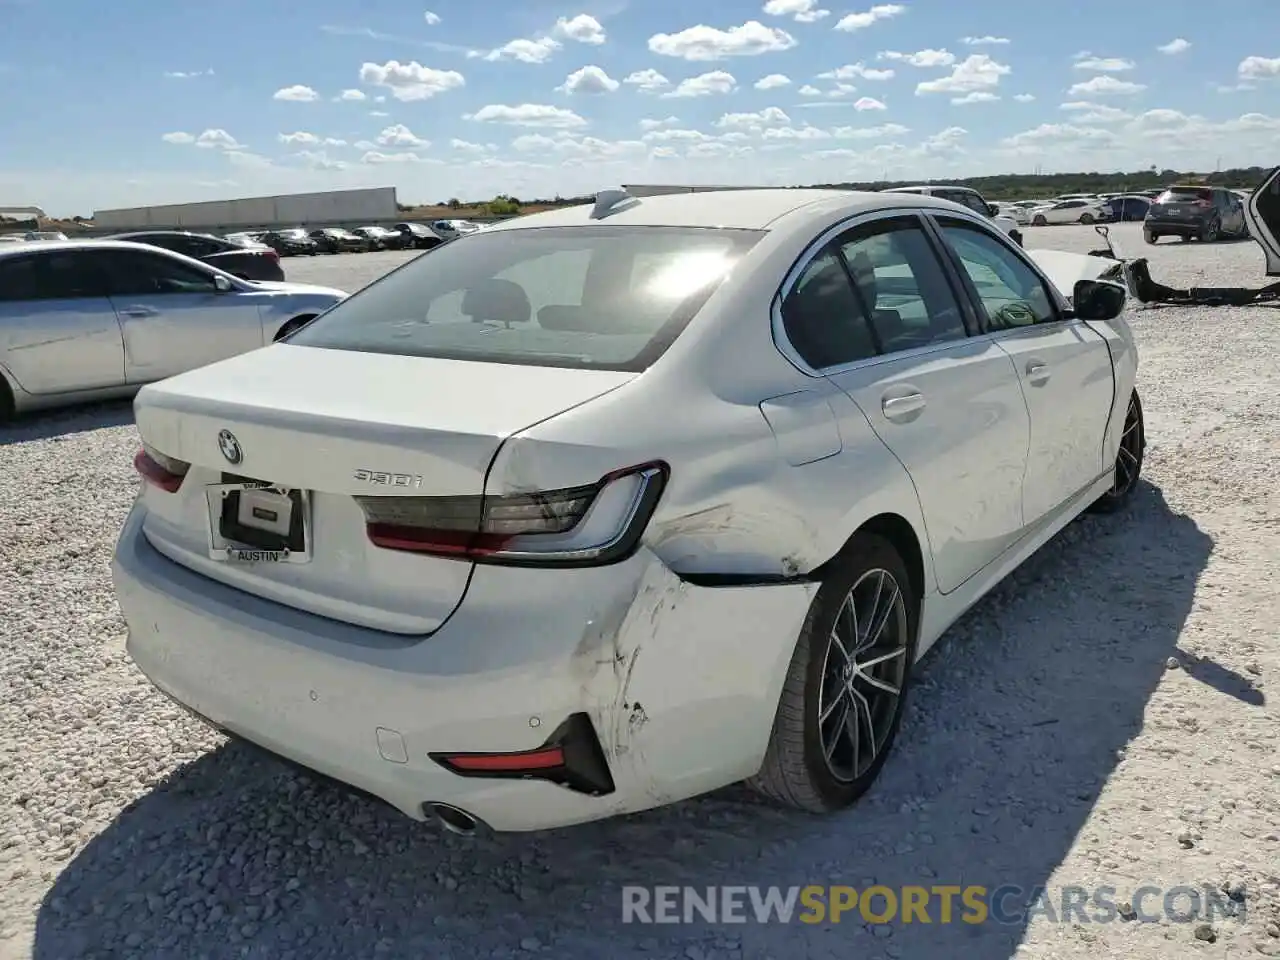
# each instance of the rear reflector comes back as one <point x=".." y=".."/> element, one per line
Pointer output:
<point x="571" y="757"/>
<point x="159" y="471"/>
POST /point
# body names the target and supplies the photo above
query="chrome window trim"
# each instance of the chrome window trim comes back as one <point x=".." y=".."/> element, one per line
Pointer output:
<point x="815" y="246"/>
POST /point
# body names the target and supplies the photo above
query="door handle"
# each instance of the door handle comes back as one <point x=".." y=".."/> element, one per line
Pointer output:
<point x="1037" y="372"/>
<point x="899" y="408"/>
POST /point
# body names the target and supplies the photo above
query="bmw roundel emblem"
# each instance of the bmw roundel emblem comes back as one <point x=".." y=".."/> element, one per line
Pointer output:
<point x="230" y="447"/>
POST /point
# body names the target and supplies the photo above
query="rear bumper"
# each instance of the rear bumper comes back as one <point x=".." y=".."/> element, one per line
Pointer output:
<point x="1179" y="227"/>
<point x="680" y="683"/>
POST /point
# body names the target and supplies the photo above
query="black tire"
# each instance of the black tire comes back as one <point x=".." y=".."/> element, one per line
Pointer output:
<point x="1039" y="221"/>
<point x="1128" y="467"/>
<point x="796" y="771"/>
<point x="7" y="406"/>
<point x="1211" y="231"/>
<point x="1086" y="218"/>
<point x="1150" y="237"/>
<point x="290" y="326"/>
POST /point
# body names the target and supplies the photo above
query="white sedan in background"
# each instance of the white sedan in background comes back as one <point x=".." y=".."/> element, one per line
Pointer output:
<point x="1069" y="211"/>
<point x="609" y="506"/>
<point x="93" y="319"/>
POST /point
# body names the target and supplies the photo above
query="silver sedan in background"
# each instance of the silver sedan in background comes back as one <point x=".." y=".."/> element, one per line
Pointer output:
<point x="94" y="319"/>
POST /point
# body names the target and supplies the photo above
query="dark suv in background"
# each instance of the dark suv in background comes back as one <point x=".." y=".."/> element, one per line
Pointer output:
<point x="1193" y="210"/>
<point x="248" y="263"/>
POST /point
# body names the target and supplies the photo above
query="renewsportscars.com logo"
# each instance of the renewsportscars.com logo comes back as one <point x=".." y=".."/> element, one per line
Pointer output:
<point x="940" y="903"/>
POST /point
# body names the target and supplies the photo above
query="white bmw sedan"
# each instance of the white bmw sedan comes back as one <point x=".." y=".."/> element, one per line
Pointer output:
<point x="611" y="506"/>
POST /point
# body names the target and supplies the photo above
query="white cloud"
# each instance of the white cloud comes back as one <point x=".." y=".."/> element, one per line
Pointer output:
<point x="320" y="160"/>
<point x="398" y="135"/>
<point x="1087" y="112"/>
<point x="702" y="43"/>
<point x="884" y="131"/>
<point x="773" y="81"/>
<point x="1024" y="97"/>
<point x="298" y="93"/>
<point x="647" y="81"/>
<point x="217" y="139"/>
<point x="809" y="90"/>
<point x="301" y="137"/>
<point x="178" y="137"/>
<point x="715" y="83"/>
<point x="351" y="95"/>
<point x="409" y="82"/>
<point x="860" y="21"/>
<point x="921" y="58"/>
<point x="1259" y="68"/>
<point x="796" y="133"/>
<point x="978" y="96"/>
<point x="1059" y="133"/>
<point x="379" y="158"/>
<point x="1103" y="64"/>
<point x="987" y="41"/>
<point x="753" y="121"/>
<point x="431" y="18"/>
<point x="803" y="11"/>
<point x="242" y="158"/>
<point x="1175" y="46"/>
<point x="591" y="80"/>
<point x="581" y="29"/>
<point x="658" y="124"/>
<point x="528" y="115"/>
<point x="862" y="104"/>
<point x="976" y="73"/>
<point x="187" y="74"/>
<point x="466" y="146"/>
<point x="859" y="71"/>
<point x="379" y="114"/>
<point x="1106" y="86"/>
<point x="525" y="51"/>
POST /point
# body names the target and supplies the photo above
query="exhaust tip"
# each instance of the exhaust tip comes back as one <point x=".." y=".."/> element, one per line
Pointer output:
<point x="453" y="819"/>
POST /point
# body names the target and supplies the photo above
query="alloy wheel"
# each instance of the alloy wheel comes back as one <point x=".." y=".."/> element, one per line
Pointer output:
<point x="1129" y="459"/>
<point x="863" y="675"/>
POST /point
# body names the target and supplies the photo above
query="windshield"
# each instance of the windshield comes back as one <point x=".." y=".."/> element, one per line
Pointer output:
<point x="1185" y="195"/>
<point x="611" y="298"/>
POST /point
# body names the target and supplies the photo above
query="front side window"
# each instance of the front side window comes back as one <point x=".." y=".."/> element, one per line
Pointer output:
<point x="1012" y="294"/>
<point x="18" y="279"/>
<point x="141" y="274"/>
<point x="551" y="296"/>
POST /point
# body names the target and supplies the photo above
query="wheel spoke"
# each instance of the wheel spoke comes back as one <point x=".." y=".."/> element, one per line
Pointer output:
<point x="851" y="725"/>
<point x="1128" y="457"/>
<point x="861" y="704"/>
<point x="835" y="702"/>
<point x="829" y="744"/>
<point x="881" y="685"/>
<point x="880" y="620"/>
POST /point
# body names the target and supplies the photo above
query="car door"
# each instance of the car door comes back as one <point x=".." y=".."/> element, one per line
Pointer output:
<point x="58" y="330"/>
<point x="174" y="317"/>
<point x="1232" y="212"/>
<point x="947" y="405"/>
<point x="1064" y="366"/>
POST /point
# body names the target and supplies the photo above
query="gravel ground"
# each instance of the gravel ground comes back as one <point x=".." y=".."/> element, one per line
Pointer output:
<point x="1102" y="719"/>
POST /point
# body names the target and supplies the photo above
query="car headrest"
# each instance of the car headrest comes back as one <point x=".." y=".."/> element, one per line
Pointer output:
<point x="864" y="274"/>
<point x="497" y="301"/>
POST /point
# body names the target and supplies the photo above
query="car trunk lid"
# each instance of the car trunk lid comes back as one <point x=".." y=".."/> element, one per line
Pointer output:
<point x="331" y="425"/>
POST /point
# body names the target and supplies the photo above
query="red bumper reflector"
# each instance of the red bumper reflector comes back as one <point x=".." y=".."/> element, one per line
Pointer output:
<point x="545" y="759"/>
<point x="155" y="474"/>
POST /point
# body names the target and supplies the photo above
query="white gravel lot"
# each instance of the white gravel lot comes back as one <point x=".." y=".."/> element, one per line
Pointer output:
<point x="1103" y="719"/>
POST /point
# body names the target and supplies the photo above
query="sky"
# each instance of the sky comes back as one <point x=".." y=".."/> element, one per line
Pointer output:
<point x="137" y="102"/>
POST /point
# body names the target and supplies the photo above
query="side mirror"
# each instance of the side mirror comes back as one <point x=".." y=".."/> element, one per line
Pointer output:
<point x="1098" y="300"/>
<point x="222" y="284"/>
<point x="993" y="210"/>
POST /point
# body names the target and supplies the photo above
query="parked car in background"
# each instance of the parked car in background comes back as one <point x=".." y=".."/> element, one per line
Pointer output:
<point x="1068" y="211"/>
<point x="251" y="239"/>
<point x="338" y="240"/>
<point x="1018" y="214"/>
<point x="418" y="236"/>
<point x="257" y="262"/>
<point x="11" y="238"/>
<point x="290" y="243"/>
<point x="391" y="574"/>
<point x="32" y="236"/>
<point x="90" y="319"/>
<point x="1125" y="208"/>
<point x="380" y="238"/>
<point x="452" y="229"/>
<point x="1197" y="212"/>
<point x="966" y="197"/>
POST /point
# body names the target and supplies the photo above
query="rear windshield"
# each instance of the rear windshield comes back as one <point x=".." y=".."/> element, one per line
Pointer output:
<point x="1185" y="194"/>
<point x="610" y="298"/>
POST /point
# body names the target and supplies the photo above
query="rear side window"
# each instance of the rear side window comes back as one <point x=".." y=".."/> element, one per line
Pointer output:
<point x="18" y="279"/>
<point x="611" y="298"/>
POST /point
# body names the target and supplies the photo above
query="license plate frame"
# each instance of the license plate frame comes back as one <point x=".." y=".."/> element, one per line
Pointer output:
<point x="233" y="535"/>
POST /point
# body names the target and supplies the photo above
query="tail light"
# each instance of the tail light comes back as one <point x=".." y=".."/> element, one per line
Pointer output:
<point x="159" y="470"/>
<point x="270" y="254"/>
<point x="591" y="525"/>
